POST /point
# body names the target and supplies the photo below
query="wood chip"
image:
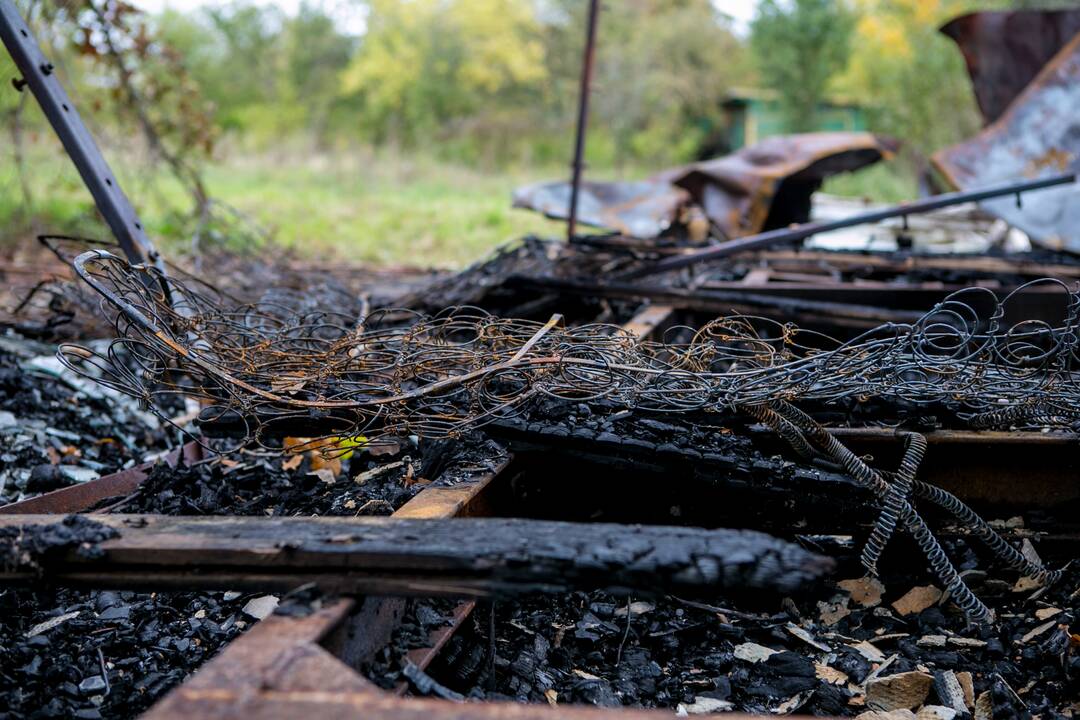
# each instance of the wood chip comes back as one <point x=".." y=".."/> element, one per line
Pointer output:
<point x="324" y="474"/>
<point x="967" y="642"/>
<point x="934" y="641"/>
<point x="935" y="712"/>
<point x="807" y="637"/>
<point x="584" y="675"/>
<point x="51" y="623"/>
<point x="950" y="692"/>
<point x="261" y="607"/>
<point x="1029" y="552"/>
<point x="882" y="715"/>
<point x="552" y="697"/>
<point x="880" y="669"/>
<point x="833" y="611"/>
<point x="869" y="651"/>
<point x="753" y="653"/>
<point x="363" y="477"/>
<point x="830" y="674"/>
<point x="865" y="591"/>
<point x="917" y="599"/>
<point x="703" y="706"/>
<point x="636" y="608"/>
<point x="967" y="684"/>
<point x="1046" y="613"/>
<point x="1037" y="631"/>
<point x="793" y="703"/>
<point x="906" y="690"/>
<point x="984" y="706"/>
<point x="1026" y="584"/>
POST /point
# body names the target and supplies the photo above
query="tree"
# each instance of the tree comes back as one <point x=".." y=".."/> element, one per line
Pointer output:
<point x="663" y="68"/>
<point x="910" y="77"/>
<point x="798" y="46"/>
<point x="425" y="65"/>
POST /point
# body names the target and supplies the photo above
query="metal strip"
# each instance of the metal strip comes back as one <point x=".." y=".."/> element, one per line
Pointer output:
<point x="40" y="76"/>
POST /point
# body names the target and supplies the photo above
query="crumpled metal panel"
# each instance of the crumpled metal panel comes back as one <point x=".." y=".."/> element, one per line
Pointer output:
<point x="768" y="185"/>
<point x="760" y="187"/>
<point x="1039" y="135"/>
<point x="1004" y="51"/>
<point x="637" y="209"/>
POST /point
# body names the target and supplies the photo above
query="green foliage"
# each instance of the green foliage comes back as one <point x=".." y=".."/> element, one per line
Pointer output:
<point x="799" y="45"/>
<point x="428" y="66"/>
<point x="912" y="76"/>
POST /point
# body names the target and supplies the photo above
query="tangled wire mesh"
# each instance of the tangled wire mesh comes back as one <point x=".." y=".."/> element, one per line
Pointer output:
<point x="300" y="360"/>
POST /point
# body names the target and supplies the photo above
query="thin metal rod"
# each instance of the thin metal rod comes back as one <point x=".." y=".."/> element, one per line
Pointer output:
<point x="583" y="117"/>
<point x="799" y="232"/>
<point x="39" y="75"/>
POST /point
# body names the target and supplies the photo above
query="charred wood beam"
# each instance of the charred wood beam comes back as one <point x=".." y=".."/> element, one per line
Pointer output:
<point x="730" y="468"/>
<point x="387" y="556"/>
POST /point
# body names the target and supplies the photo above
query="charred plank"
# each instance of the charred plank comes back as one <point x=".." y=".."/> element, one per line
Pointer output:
<point x="463" y="557"/>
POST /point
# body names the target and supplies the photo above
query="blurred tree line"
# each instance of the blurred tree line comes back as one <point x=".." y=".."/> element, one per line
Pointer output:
<point x="494" y="82"/>
<point x="487" y="81"/>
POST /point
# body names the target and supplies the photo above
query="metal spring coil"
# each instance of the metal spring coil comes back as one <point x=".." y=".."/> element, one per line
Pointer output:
<point x="973" y="608"/>
<point x="898" y="494"/>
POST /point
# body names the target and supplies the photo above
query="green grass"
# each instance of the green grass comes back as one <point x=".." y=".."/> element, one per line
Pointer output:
<point x="362" y="207"/>
<point x="357" y="206"/>
<point x="883" y="182"/>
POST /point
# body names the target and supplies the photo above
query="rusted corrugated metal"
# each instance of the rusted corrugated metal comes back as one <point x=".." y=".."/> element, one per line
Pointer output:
<point x="636" y="209"/>
<point x="1004" y="51"/>
<point x="766" y="185"/>
<point x="1038" y="136"/>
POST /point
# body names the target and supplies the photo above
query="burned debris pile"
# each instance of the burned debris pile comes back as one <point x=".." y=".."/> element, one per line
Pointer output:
<point x="738" y="452"/>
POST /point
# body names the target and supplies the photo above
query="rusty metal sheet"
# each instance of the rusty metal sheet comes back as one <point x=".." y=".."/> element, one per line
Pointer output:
<point x="1005" y="50"/>
<point x="768" y="185"/>
<point x="637" y="209"/>
<point x="759" y="187"/>
<point x="1038" y="136"/>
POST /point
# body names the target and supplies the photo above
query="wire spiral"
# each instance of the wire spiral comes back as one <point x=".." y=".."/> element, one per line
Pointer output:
<point x="292" y="361"/>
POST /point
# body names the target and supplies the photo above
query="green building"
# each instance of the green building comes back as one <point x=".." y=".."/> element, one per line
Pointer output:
<point x="752" y="114"/>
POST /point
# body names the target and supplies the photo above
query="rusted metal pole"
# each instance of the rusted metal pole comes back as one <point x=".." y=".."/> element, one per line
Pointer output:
<point x="583" y="116"/>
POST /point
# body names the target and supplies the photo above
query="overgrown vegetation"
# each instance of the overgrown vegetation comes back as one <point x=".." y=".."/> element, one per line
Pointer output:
<point x="412" y="133"/>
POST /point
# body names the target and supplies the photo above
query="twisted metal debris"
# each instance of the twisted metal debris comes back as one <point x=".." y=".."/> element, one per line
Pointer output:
<point x="287" y="361"/>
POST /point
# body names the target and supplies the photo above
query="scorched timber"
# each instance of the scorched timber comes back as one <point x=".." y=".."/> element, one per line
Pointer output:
<point x="387" y="556"/>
